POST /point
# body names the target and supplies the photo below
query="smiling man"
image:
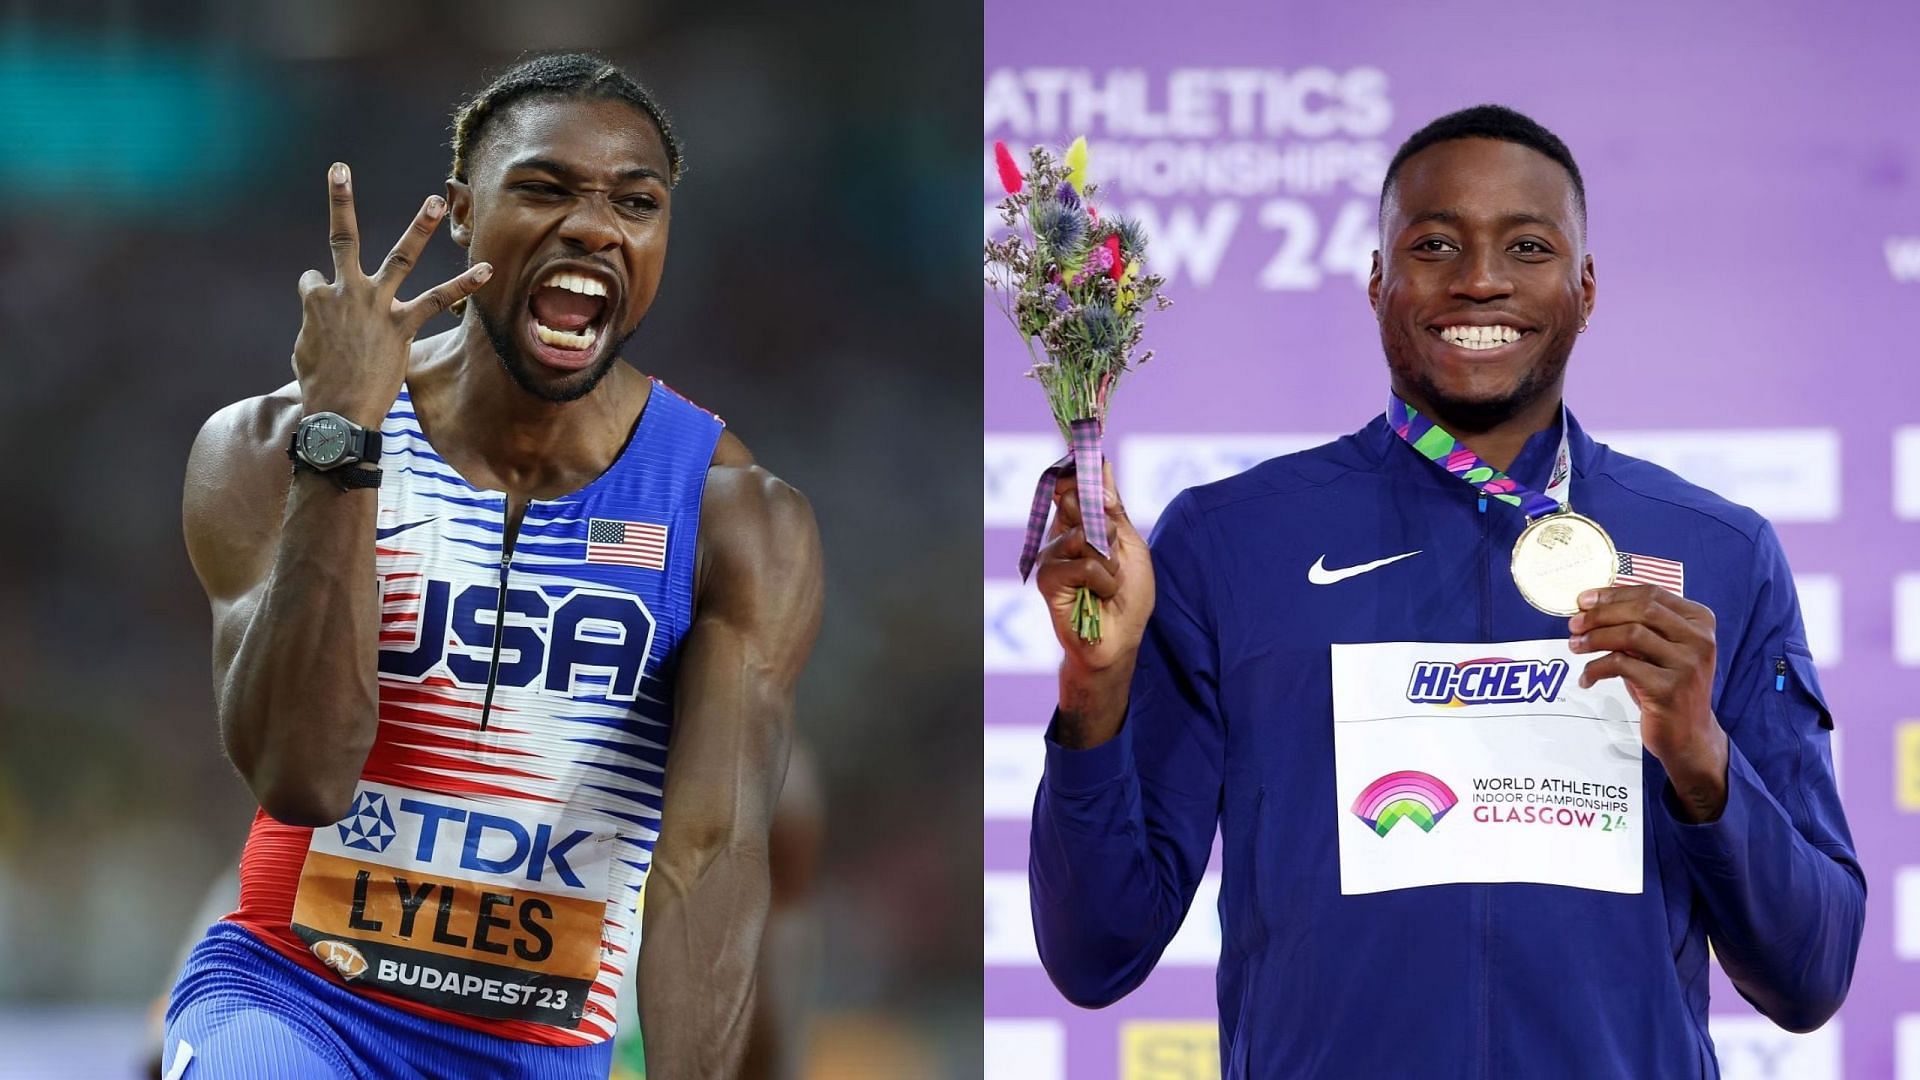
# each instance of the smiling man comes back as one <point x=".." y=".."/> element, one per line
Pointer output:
<point x="503" y="631"/>
<point x="1469" y="601"/>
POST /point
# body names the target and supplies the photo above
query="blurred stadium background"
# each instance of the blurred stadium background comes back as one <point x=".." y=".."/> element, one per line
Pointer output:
<point x="163" y="176"/>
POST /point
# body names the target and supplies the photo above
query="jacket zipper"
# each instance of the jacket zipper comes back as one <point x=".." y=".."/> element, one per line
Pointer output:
<point x="499" y="611"/>
<point x="1486" y="572"/>
<point x="1485" y="893"/>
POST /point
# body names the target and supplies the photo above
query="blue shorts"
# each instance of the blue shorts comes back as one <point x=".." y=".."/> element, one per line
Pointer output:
<point x="248" y="1012"/>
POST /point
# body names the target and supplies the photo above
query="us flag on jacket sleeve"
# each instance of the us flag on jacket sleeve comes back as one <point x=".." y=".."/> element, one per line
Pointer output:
<point x="629" y="543"/>
<point x="1647" y="570"/>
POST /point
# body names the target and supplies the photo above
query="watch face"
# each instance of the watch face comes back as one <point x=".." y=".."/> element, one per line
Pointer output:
<point x="324" y="439"/>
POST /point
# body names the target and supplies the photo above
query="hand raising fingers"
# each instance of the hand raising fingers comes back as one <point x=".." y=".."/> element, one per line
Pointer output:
<point x="352" y="352"/>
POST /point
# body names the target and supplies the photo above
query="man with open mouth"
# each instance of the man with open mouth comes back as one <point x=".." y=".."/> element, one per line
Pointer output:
<point x="1467" y="601"/>
<point x="473" y="594"/>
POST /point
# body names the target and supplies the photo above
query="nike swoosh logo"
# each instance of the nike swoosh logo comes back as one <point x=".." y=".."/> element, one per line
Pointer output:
<point x="1320" y="575"/>
<point x="181" y="1057"/>
<point x="382" y="534"/>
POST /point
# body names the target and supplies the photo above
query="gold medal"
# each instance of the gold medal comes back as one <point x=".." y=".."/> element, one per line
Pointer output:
<point x="1558" y="557"/>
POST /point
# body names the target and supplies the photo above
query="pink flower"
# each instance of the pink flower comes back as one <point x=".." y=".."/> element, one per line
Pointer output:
<point x="1010" y="177"/>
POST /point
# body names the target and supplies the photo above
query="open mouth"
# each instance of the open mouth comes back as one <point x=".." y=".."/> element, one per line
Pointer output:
<point x="1480" y="339"/>
<point x="567" y="316"/>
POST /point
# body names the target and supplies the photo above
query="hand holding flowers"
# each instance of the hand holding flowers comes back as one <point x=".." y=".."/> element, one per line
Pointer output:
<point x="1073" y="285"/>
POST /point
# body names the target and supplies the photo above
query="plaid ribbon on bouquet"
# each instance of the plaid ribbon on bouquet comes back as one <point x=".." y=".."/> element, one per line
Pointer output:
<point x="1083" y="461"/>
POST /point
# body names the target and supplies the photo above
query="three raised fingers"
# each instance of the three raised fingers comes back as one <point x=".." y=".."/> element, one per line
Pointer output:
<point x="343" y="236"/>
<point x="343" y="232"/>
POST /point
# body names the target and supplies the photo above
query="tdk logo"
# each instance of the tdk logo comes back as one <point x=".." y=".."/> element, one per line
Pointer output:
<point x="548" y="643"/>
<point x="368" y="826"/>
<point x="509" y="848"/>
<point x="1491" y="681"/>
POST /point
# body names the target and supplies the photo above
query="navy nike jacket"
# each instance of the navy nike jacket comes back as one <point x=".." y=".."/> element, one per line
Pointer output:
<point x="1230" y="725"/>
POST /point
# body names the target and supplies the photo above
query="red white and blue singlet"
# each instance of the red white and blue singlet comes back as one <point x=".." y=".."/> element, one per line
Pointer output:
<point x="502" y="829"/>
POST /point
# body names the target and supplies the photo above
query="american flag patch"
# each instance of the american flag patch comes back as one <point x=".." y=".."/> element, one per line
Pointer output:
<point x="628" y="543"/>
<point x="1647" y="570"/>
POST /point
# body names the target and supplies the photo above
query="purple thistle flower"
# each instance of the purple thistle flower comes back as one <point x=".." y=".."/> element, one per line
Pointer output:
<point x="1101" y="326"/>
<point x="1068" y="197"/>
<point x="1055" y="226"/>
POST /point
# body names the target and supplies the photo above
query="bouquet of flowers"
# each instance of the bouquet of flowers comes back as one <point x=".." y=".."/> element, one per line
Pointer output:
<point x="1074" y="286"/>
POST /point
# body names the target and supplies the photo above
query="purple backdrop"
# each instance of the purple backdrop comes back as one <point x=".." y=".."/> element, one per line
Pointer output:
<point x="1754" y="186"/>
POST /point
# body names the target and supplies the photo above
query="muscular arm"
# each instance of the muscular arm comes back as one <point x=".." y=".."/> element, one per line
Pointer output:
<point x="288" y="561"/>
<point x="790" y="947"/>
<point x="757" y="611"/>
<point x="287" y="564"/>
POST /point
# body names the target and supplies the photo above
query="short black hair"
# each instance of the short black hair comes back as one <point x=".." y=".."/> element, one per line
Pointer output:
<point x="563" y="75"/>
<point x="1488" y="122"/>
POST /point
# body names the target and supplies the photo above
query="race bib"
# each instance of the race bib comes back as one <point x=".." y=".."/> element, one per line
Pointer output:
<point x="1483" y="763"/>
<point x="477" y="907"/>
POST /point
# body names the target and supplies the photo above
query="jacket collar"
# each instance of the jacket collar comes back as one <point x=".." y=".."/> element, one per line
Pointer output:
<point x="1531" y="467"/>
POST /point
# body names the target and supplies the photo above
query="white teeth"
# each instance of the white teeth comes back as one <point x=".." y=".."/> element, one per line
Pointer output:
<point x="579" y="283"/>
<point x="560" y="339"/>
<point x="1479" y="337"/>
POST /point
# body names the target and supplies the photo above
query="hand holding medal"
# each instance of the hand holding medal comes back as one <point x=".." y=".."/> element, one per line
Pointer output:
<point x="1074" y="287"/>
<point x="1661" y="645"/>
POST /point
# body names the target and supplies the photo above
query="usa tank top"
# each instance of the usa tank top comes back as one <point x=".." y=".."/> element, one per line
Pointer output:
<point x="488" y="870"/>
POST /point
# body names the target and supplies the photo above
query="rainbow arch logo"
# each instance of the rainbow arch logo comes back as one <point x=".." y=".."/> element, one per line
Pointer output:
<point x="1421" y="798"/>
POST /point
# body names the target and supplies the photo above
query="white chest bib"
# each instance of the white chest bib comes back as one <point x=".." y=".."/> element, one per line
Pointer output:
<point x="1483" y="763"/>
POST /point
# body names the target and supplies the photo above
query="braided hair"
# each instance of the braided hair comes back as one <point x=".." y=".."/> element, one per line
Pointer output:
<point x="565" y="75"/>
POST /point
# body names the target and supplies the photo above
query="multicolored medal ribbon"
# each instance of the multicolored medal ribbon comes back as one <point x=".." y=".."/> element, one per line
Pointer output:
<point x="1084" y="462"/>
<point x="1560" y="554"/>
<point x="1437" y="445"/>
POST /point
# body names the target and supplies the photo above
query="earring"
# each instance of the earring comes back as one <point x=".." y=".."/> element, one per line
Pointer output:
<point x="1583" y="327"/>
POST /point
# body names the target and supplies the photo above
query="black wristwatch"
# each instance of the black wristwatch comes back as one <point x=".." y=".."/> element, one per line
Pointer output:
<point x="329" y="443"/>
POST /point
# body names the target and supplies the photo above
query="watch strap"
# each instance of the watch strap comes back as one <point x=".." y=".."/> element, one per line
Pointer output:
<point x="366" y="444"/>
<point x="351" y="479"/>
<point x="345" y="477"/>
